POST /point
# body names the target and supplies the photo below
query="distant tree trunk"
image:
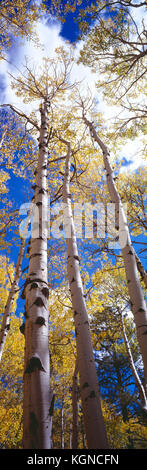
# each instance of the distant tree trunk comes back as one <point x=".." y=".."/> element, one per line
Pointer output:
<point x="75" y="408"/>
<point x="120" y="387"/>
<point x="37" y="422"/>
<point x="51" y="412"/>
<point x="83" y="432"/>
<point x="138" y="305"/>
<point x="140" y="387"/>
<point x="93" y="418"/>
<point x="70" y="438"/>
<point x="2" y="138"/>
<point x="6" y="316"/>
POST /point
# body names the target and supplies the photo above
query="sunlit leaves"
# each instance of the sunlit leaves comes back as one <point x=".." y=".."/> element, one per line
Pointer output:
<point x="16" y="20"/>
<point x="11" y="375"/>
<point x="133" y="191"/>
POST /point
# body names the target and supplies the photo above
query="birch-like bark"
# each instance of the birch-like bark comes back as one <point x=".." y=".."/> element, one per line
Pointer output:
<point x="7" y="312"/>
<point x="51" y="412"/>
<point x="75" y="408"/>
<point x="62" y="425"/>
<point x="141" y="269"/>
<point x="2" y="138"/>
<point x="140" y="387"/>
<point x="93" y="418"/>
<point x="37" y="420"/>
<point x="138" y="304"/>
<point x="83" y="432"/>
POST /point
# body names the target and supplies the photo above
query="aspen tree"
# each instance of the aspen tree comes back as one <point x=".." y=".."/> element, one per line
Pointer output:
<point x="138" y="304"/>
<point x="13" y="290"/>
<point x="62" y="423"/>
<point x="14" y="286"/>
<point x="37" y="419"/>
<point x="141" y="270"/>
<point x="89" y="389"/>
<point x="115" y="47"/>
<point x="140" y="387"/>
<point x="75" y="408"/>
<point x="37" y="432"/>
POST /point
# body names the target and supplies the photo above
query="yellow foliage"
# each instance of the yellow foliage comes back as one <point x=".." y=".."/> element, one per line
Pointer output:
<point x="11" y="375"/>
<point x="123" y="435"/>
<point x="6" y="277"/>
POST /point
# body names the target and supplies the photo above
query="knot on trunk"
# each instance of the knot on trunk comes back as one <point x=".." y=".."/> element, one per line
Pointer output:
<point x="42" y="191"/>
<point x="39" y="302"/>
<point x="45" y="292"/>
<point x="39" y="203"/>
<point x="34" y="285"/>
<point x="33" y="424"/>
<point x="34" y="364"/>
<point x="51" y="409"/>
<point x="22" y="328"/>
<point x="40" y="321"/>
<point x="77" y="258"/>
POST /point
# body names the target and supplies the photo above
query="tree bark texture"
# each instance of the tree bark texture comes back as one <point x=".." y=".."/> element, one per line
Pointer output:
<point x="141" y="270"/>
<point x="37" y="420"/>
<point x="62" y="424"/>
<point x="93" y="418"/>
<point x="75" y="408"/>
<point x="140" y="387"/>
<point x="138" y="305"/>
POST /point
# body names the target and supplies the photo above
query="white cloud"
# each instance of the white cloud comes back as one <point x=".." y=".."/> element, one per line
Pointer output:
<point x="49" y="37"/>
<point x="139" y="15"/>
<point x="132" y="151"/>
<point x="49" y="34"/>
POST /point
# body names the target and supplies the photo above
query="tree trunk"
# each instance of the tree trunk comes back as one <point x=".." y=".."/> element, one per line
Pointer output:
<point x="83" y="432"/>
<point x="141" y="270"/>
<point x="75" y="408"/>
<point x="2" y="138"/>
<point x="121" y="392"/>
<point x="62" y="425"/>
<point x="138" y="304"/>
<point x="133" y="368"/>
<point x="6" y="316"/>
<point x="37" y="422"/>
<point x="93" y="418"/>
<point x="51" y="412"/>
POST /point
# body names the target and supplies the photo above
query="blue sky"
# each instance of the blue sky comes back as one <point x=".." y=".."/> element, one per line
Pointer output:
<point x="53" y="34"/>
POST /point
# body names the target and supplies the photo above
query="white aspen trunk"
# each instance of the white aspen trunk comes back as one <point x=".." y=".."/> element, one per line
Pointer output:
<point x="138" y="305"/>
<point x="75" y="408"/>
<point x="37" y="420"/>
<point x="51" y="411"/>
<point x="83" y="432"/>
<point x="140" y="387"/>
<point x="6" y="316"/>
<point x="93" y="418"/>
<point x="70" y="438"/>
<point x="62" y="425"/>
<point x="2" y="139"/>
<point x="141" y="269"/>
